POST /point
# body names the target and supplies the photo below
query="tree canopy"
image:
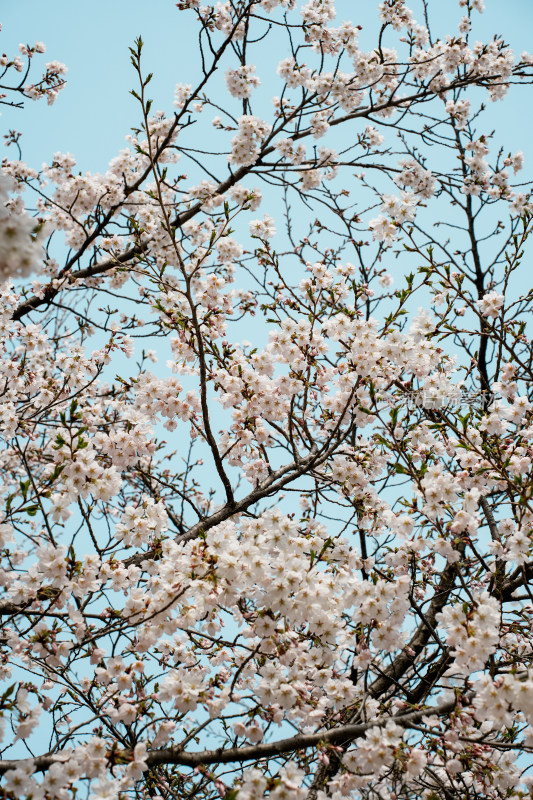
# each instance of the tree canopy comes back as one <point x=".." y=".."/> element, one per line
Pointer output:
<point x="266" y="424"/>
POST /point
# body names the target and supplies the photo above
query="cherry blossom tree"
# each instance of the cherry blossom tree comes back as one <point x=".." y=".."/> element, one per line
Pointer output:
<point x="266" y="425"/>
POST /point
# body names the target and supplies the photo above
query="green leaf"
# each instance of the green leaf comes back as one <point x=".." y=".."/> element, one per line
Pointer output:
<point x="9" y="691"/>
<point x="400" y="469"/>
<point x="31" y="510"/>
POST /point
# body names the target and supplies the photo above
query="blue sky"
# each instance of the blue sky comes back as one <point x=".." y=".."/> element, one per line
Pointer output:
<point x="94" y="113"/>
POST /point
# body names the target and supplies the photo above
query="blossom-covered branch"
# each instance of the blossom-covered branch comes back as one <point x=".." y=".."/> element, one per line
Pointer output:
<point x="266" y="424"/>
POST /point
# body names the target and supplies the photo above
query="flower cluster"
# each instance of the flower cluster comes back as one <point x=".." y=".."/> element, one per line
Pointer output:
<point x="21" y="236"/>
<point x="246" y="144"/>
<point x="242" y="81"/>
<point x="472" y="634"/>
<point x="397" y="211"/>
<point x="51" y="83"/>
<point x="491" y="304"/>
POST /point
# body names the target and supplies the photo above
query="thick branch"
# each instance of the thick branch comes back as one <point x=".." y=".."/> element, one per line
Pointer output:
<point x="420" y="638"/>
<point x="175" y="755"/>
